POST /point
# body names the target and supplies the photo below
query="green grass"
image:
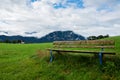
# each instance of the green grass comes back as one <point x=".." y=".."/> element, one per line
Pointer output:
<point x="117" y="43"/>
<point x="31" y="62"/>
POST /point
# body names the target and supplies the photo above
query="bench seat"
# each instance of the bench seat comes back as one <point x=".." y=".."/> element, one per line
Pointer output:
<point x="82" y="51"/>
<point x="85" y="46"/>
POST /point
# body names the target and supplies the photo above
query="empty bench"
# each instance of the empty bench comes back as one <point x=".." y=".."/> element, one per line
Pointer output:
<point x="98" y="47"/>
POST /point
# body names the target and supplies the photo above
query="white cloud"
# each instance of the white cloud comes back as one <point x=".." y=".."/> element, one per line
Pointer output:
<point x="20" y="16"/>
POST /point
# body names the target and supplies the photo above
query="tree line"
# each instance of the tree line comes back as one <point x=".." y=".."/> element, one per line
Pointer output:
<point x="88" y="38"/>
<point x="97" y="37"/>
<point x="11" y="41"/>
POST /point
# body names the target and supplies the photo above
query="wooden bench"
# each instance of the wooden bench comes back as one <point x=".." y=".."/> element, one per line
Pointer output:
<point x="99" y="47"/>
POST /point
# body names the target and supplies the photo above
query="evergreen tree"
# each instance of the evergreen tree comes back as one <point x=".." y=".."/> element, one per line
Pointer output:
<point x="7" y="41"/>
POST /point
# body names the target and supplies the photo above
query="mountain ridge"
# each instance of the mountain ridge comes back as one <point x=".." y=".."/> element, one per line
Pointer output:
<point x="53" y="36"/>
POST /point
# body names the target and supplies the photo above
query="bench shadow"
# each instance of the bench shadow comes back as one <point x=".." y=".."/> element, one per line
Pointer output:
<point x="76" y="59"/>
<point x="85" y="60"/>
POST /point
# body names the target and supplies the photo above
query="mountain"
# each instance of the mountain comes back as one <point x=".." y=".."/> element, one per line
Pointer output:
<point x="61" y="36"/>
<point x="54" y="36"/>
<point x="18" y="37"/>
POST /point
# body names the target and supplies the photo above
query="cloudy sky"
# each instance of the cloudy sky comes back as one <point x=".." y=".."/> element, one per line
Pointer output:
<point x="39" y="17"/>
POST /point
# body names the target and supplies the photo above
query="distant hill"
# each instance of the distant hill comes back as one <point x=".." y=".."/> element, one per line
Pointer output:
<point x="115" y="38"/>
<point x="61" y="36"/>
<point x="54" y="36"/>
<point x="25" y="39"/>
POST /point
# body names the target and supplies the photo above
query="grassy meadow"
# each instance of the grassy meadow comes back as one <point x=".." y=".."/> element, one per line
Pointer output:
<point x="31" y="62"/>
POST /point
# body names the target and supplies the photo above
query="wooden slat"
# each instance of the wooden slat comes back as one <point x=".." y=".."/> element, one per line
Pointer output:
<point x="81" y="51"/>
<point x="62" y="46"/>
<point x="85" y="44"/>
<point x="102" y="42"/>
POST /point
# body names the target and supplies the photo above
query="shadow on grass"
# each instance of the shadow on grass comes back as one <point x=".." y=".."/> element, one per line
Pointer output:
<point x="67" y="66"/>
<point x="85" y="59"/>
<point x="81" y="59"/>
<point x="110" y="67"/>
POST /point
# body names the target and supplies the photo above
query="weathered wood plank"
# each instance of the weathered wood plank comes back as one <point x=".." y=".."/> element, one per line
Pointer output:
<point x="85" y="42"/>
<point x="73" y="46"/>
<point x="83" y="51"/>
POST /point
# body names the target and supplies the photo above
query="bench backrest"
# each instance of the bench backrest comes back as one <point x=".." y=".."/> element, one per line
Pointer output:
<point x="84" y="44"/>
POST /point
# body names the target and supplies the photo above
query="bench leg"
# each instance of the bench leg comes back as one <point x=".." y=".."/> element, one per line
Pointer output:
<point x="101" y="58"/>
<point x="51" y="56"/>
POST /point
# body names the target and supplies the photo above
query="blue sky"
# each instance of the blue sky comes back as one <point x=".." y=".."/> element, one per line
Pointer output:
<point x="39" y="17"/>
<point x="68" y="3"/>
<point x="33" y="0"/>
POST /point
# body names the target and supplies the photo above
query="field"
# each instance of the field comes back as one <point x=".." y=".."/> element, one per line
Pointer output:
<point x="31" y="62"/>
